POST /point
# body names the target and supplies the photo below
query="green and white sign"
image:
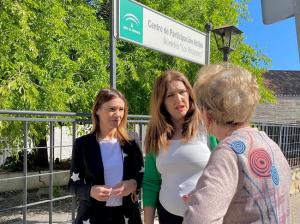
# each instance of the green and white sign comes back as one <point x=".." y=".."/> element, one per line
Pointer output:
<point x="149" y="28"/>
<point x="131" y="21"/>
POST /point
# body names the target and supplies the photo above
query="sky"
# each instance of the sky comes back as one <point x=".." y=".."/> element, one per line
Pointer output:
<point x="278" y="40"/>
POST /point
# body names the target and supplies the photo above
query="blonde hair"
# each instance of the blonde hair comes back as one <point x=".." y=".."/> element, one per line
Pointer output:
<point x="102" y="97"/>
<point x="227" y="92"/>
<point x="160" y="128"/>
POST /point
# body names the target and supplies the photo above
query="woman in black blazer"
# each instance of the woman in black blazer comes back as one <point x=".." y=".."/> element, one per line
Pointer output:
<point x="107" y="167"/>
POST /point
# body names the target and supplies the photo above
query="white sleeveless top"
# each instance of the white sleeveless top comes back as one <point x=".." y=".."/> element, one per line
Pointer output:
<point x="180" y="167"/>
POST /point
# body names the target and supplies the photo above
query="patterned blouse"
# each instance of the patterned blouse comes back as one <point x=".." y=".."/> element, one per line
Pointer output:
<point x="246" y="180"/>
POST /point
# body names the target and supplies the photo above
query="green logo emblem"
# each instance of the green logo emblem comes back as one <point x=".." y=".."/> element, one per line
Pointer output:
<point x="131" y="21"/>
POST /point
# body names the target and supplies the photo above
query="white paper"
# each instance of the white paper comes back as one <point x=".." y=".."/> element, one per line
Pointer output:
<point x="186" y="187"/>
<point x="114" y="201"/>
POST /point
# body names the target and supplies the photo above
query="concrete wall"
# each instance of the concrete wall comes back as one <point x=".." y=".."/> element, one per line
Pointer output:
<point x="286" y="110"/>
<point x="15" y="180"/>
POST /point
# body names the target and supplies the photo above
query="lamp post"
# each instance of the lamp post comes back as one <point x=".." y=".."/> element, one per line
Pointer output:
<point x="227" y="38"/>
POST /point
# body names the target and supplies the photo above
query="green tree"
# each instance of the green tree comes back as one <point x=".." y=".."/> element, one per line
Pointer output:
<point x="54" y="57"/>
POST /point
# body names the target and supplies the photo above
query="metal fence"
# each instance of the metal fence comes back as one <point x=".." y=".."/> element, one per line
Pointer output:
<point x="42" y="196"/>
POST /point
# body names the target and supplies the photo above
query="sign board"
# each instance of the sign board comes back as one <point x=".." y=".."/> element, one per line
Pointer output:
<point x="143" y="26"/>
<point x="276" y="10"/>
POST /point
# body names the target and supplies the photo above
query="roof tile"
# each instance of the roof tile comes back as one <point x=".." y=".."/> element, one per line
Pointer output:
<point x="283" y="82"/>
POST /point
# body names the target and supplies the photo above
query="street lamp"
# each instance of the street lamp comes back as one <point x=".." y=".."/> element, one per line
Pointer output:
<point x="227" y="38"/>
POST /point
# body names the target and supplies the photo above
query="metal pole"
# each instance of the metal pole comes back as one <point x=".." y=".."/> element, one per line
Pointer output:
<point x="208" y="28"/>
<point x="141" y="134"/>
<point x="225" y="53"/>
<point x="280" y="136"/>
<point x="61" y="139"/>
<point x="112" y="42"/>
<point x="25" y="131"/>
<point x="51" y="172"/>
<point x="73" y="198"/>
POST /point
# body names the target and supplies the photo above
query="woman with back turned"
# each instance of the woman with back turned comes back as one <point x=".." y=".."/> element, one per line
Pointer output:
<point x="247" y="178"/>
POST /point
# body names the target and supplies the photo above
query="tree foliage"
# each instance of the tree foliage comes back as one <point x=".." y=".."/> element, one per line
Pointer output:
<point x="54" y="54"/>
<point x="53" y="58"/>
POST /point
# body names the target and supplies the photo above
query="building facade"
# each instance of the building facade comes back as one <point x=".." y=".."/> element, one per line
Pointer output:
<point x="286" y="87"/>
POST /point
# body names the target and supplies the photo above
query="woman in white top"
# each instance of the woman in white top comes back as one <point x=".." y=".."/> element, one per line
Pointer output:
<point x="106" y="167"/>
<point x="176" y="149"/>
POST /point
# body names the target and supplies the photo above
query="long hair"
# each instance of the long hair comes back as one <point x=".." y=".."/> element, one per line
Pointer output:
<point x="161" y="128"/>
<point x="102" y="97"/>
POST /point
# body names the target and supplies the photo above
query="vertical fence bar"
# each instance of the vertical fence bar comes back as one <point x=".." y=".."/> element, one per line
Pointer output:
<point x="291" y="148"/>
<point x="297" y="146"/>
<point x="283" y="139"/>
<point x="25" y="132"/>
<point x="141" y="145"/>
<point x="73" y="198"/>
<point x="61" y="139"/>
<point x="280" y="136"/>
<point x="51" y="172"/>
<point x="141" y="135"/>
<point x="287" y="140"/>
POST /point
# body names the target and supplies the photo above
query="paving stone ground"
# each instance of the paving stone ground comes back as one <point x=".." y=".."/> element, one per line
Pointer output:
<point x="295" y="209"/>
<point x="42" y="217"/>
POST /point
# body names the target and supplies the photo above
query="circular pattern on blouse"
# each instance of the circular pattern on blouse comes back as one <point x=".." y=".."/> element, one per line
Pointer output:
<point x="260" y="162"/>
<point x="238" y="147"/>
<point x="274" y="175"/>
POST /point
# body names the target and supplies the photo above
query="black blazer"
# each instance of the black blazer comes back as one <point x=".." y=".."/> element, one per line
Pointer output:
<point x="87" y="170"/>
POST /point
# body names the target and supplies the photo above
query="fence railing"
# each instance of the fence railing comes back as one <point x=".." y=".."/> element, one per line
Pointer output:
<point x="44" y="191"/>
